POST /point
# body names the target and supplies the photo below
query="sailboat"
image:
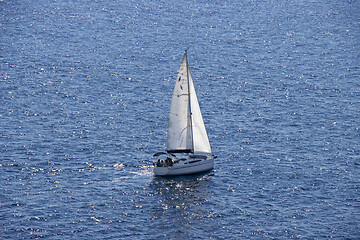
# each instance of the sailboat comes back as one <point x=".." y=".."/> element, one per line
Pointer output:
<point x="186" y="133"/>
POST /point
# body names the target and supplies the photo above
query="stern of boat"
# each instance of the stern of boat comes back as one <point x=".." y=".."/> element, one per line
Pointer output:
<point x="161" y="171"/>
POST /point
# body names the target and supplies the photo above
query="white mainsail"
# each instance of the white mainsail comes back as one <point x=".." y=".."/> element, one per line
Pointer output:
<point x="186" y="128"/>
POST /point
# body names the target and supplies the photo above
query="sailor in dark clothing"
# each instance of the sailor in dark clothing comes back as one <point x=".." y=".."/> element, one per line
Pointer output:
<point x="169" y="161"/>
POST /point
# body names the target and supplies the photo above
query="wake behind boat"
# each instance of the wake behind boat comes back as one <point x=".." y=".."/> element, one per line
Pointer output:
<point x="186" y="131"/>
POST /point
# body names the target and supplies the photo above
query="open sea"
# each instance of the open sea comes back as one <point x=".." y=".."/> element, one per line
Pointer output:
<point x="85" y="90"/>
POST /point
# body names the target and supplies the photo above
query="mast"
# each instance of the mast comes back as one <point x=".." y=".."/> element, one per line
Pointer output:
<point x="190" y="113"/>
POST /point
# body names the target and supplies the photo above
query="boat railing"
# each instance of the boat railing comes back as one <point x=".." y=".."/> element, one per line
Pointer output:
<point x="198" y="156"/>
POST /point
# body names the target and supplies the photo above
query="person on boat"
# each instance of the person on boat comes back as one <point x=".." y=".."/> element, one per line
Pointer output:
<point x="169" y="161"/>
<point x="158" y="163"/>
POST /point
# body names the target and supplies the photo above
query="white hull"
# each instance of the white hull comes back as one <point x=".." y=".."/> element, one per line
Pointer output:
<point x="183" y="167"/>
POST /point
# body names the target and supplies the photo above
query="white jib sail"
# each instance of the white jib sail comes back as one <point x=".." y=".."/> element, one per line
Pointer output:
<point x="201" y="142"/>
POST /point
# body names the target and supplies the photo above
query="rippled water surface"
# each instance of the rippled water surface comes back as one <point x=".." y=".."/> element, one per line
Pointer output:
<point x="85" y="90"/>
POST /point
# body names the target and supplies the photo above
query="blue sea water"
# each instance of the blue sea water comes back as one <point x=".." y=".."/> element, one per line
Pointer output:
<point x="85" y="90"/>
